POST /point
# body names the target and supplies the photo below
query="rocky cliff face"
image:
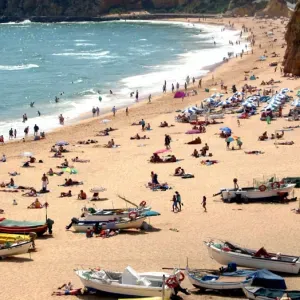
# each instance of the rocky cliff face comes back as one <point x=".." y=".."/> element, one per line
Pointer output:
<point x="245" y="7"/>
<point x="292" y="37"/>
<point x="275" y="8"/>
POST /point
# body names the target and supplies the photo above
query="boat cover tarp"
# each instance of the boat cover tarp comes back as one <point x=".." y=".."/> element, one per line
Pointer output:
<point x="262" y="278"/>
<point x="267" y="279"/>
<point x="13" y="223"/>
<point x="273" y="294"/>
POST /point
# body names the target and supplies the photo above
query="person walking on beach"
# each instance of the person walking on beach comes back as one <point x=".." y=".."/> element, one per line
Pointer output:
<point x="173" y="88"/>
<point x="126" y="111"/>
<point x="178" y="200"/>
<point x="239" y="123"/>
<point x="143" y="123"/>
<point x="204" y="203"/>
<point x="185" y="86"/>
<point x="174" y="205"/>
<point x="137" y="96"/>
<point x="36" y="130"/>
<point x="167" y="141"/>
<point x="15" y="133"/>
<point x="94" y="111"/>
<point x="177" y="86"/>
<point x="45" y="182"/>
<point x="194" y="80"/>
<point x="114" y="111"/>
<point x="26" y="131"/>
<point x="10" y="134"/>
<point x="200" y="83"/>
<point x="97" y="111"/>
<point x="149" y="98"/>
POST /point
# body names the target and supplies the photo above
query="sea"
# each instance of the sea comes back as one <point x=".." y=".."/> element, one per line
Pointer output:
<point x="81" y="62"/>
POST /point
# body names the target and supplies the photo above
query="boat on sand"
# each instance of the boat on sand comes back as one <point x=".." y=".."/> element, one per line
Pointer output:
<point x="225" y="252"/>
<point x="11" y="249"/>
<point x="127" y="283"/>
<point x="258" y="293"/>
<point x="125" y="223"/>
<point x="7" y="237"/>
<point x="22" y="227"/>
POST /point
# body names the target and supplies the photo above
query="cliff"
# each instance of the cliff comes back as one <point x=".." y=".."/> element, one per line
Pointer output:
<point x="292" y="55"/>
<point x="275" y="8"/>
<point x="95" y="8"/>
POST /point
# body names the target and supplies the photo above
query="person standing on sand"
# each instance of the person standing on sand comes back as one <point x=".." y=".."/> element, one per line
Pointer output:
<point x="185" y="86"/>
<point x="200" y="83"/>
<point x="235" y="184"/>
<point x="94" y="111"/>
<point x="137" y="96"/>
<point x="177" y="86"/>
<point x="15" y="133"/>
<point x="204" y="203"/>
<point x="239" y="123"/>
<point x="10" y="134"/>
<point x="167" y="141"/>
<point x="178" y="200"/>
<point x="173" y="88"/>
<point x="194" y="80"/>
<point x="174" y="205"/>
<point x="143" y="123"/>
<point x="114" y="111"/>
<point x="36" y="130"/>
<point x="126" y="111"/>
<point x="45" y="182"/>
<point x="98" y="111"/>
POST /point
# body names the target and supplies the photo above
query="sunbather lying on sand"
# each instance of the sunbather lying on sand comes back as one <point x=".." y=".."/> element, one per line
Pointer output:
<point x="165" y="124"/>
<point x="292" y="127"/>
<point x="254" y="152"/>
<point x="160" y="186"/>
<point x="156" y="159"/>
<point x="263" y="137"/>
<point x="70" y="182"/>
<point x="14" y="173"/>
<point x="87" y="142"/>
<point x="279" y="136"/>
<point x="136" y="123"/>
<point x="209" y="162"/>
<point x="57" y="155"/>
<point x="179" y="171"/>
<point x="138" y="137"/>
<point x="201" y="129"/>
<point x="76" y="159"/>
<point x="196" y="141"/>
<point x="68" y="194"/>
<point x="31" y="193"/>
<point x="285" y="143"/>
<point x="51" y="173"/>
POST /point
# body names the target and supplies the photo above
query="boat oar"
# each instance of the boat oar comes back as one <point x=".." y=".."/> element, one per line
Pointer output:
<point x="123" y="198"/>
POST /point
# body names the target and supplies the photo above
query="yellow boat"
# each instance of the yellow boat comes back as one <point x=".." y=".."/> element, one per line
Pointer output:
<point x="7" y="237"/>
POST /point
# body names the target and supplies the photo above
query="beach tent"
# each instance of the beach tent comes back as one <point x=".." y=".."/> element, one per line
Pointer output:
<point x="179" y="94"/>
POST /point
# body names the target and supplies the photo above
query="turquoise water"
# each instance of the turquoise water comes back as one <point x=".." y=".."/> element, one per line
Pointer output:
<point x="80" y="61"/>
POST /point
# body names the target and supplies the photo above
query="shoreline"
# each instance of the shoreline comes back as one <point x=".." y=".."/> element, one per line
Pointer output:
<point x="86" y="116"/>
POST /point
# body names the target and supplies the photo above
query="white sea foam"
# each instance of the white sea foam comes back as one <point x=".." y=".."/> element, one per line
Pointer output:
<point x="18" y="67"/>
<point x="84" y="44"/>
<point x="84" y="54"/>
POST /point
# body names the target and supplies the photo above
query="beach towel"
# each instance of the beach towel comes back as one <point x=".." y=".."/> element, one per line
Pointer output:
<point x="162" y="151"/>
<point x="193" y="131"/>
<point x="185" y="176"/>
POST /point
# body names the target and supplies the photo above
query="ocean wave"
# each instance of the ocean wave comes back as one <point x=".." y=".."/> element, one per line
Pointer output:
<point x="17" y="23"/>
<point x="84" y="44"/>
<point x="83" y="53"/>
<point x="18" y="67"/>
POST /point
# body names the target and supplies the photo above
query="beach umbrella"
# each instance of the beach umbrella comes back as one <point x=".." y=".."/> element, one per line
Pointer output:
<point x="27" y="154"/>
<point x="189" y="111"/>
<point x="62" y="143"/>
<point x="284" y="90"/>
<point x="230" y="139"/>
<point x="227" y="129"/>
<point x="97" y="189"/>
<point x="209" y="100"/>
<point x="162" y="151"/>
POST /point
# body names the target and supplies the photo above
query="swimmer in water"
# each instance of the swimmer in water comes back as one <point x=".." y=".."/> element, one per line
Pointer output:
<point x="110" y="91"/>
<point x="31" y="104"/>
<point x="38" y="112"/>
<point x="56" y="99"/>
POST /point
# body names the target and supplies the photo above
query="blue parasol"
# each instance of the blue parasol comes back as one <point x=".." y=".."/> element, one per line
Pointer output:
<point x="226" y="129"/>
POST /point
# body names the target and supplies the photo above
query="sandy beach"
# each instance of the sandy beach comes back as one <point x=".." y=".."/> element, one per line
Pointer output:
<point x="126" y="170"/>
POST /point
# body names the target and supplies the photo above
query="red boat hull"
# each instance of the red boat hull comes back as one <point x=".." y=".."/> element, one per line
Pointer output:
<point x="39" y="230"/>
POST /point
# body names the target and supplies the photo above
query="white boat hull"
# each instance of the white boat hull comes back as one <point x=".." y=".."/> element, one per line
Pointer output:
<point x="134" y="224"/>
<point x="249" y="293"/>
<point x="126" y="290"/>
<point x="243" y="260"/>
<point x="16" y="249"/>
<point x="102" y="217"/>
<point x="228" y="194"/>
<point x="215" y="285"/>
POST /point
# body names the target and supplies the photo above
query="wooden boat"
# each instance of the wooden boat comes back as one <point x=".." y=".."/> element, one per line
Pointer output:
<point x="6" y="237"/>
<point x="225" y="252"/>
<point x="22" y="227"/>
<point x="105" y="215"/>
<point x="9" y="249"/>
<point x="259" y="293"/>
<point x="128" y="283"/>
<point x="267" y="190"/>
<point x="218" y="282"/>
<point x="120" y="224"/>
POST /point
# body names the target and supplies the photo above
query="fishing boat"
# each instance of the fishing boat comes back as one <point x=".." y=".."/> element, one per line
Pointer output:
<point x="206" y="281"/>
<point x="22" y="227"/>
<point x="105" y="215"/>
<point x="258" y="293"/>
<point x="125" y="223"/>
<point x="262" y="190"/>
<point x="11" y="249"/>
<point x="7" y="237"/>
<point x="225" y="252"/>
<point x="127" y="283"/>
